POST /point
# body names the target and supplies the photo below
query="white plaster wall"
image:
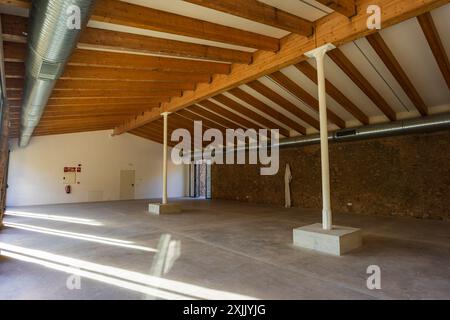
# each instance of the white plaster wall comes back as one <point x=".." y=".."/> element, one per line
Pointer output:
<point x="36" y="172"/>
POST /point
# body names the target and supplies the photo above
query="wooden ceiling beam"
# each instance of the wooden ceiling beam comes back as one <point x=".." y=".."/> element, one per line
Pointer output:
<point x="131" y="15"/>
<point x="333" y="92"/>
<point x="260" y="12"/>
<point x="434" y="40"/>
<point x="284" y="103"/>
<point x="104" y="93"/>
<point x="106" y="39"/>
<point x="102" y="101"/>
<point x="102" y="73"/>
<point x="195" y="117"/>
<point x="16" y="52"/>
<point x="237" y="107"/>
<point x="17" y="84"/>
<point x="388" y="58"/>
<point x="214" y="107"/>
<point x="248" y="98"/>
<point x="15" y="28"/>
<point x="333" y="28"/>
<point x="162" y="95"/>
<point x="305" y="97"/>
<point x="345" y="7"/>
<point x="214" y="117"/>
<point x="70" y="84"/>
<point x="38" y="132"/>
<point x="353" y="73"/>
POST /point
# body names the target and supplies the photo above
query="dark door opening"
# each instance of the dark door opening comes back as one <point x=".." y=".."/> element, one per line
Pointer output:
<point x="200" y="180"/>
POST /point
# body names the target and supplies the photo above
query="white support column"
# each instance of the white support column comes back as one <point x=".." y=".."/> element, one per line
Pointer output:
<point x="164" y="207"/>
<point x="164" y="191"/>
<point x="325" y="237"/>
<point x="319" y="55"/>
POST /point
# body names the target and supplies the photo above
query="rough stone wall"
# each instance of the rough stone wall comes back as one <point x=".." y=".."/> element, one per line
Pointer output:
<point x="400" y="176"/>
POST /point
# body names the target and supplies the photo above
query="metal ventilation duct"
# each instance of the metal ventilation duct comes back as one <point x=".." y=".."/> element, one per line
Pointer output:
<point x="427" y="124"/>
<point x="420" y="125"/>
<point x="51" y="40"/>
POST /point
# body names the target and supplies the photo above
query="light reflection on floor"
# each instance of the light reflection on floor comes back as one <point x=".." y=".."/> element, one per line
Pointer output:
<point x="139" y="282"/>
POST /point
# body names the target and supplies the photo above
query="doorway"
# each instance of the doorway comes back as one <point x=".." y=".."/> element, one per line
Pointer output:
<point x="200" y="180"/>
<point x="127" y="184"/>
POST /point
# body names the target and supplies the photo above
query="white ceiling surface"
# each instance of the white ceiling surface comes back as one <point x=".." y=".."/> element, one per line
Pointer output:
<point x="300" y="8"/>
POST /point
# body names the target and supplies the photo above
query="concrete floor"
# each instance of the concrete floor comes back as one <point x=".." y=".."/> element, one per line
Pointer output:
<point x="227" y="250"/>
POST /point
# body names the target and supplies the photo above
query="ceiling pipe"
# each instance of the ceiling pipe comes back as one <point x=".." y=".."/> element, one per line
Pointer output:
<point x="427" y="124"/>
<point x="53" y="31"/>
<point x="420" y="125"/>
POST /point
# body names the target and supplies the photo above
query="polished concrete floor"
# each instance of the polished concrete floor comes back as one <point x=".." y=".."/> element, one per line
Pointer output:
<point x="213" y="250"/>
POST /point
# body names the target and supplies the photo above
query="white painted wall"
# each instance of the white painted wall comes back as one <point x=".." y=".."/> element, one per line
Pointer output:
<point x="36" y="172"/>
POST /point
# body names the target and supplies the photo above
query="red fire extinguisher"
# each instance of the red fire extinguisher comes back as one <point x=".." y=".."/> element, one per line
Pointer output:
<point x="68" y="189"/>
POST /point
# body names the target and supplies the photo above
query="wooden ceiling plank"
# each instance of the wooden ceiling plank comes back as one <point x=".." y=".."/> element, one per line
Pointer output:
<point x="131" y="15"/>
<point x="434" y="40"/>
<point x="334" y="92"/>
<point x="353" y="73"/>
<point x="260" y="12"/>
<point x="305" y="97"/>
<point x="388" y="58"/>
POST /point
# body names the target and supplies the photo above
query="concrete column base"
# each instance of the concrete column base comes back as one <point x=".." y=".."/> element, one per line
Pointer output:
<point x="159" y="208"/>
<point x="337" y="241"/>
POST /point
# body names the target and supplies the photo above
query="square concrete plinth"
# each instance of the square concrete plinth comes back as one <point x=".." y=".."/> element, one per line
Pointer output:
<point x="159" y="208"/>
<point x="337" y="241"/>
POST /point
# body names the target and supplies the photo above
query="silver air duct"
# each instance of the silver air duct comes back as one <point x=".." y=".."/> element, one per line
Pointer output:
<point x="52" y="36"/>
<point x="420" y="125"/>
<point x="428" y="124"/>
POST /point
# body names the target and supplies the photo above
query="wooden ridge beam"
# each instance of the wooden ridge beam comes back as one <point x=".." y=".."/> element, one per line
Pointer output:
<point x="334" y="92"/>
<point x="260" y="12"/>
<point x="334" y="28"/>
<point x="388" y="58"/>
<point x="131" y="15"/>
<point x="353" y="73"/>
